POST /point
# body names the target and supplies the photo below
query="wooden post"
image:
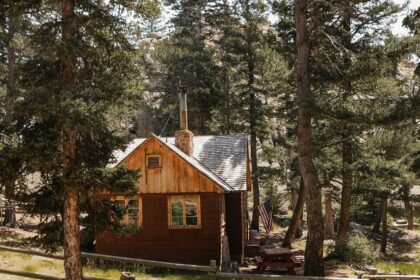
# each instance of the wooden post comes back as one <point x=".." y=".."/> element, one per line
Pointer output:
<point x="213" y="265"/>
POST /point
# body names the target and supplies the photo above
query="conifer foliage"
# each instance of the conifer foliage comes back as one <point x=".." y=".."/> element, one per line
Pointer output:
<point x="77" y="70"/>
<point x="327" y="94"/>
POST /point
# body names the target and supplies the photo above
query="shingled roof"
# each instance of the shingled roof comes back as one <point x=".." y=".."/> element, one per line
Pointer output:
<point x="221" y="157"/>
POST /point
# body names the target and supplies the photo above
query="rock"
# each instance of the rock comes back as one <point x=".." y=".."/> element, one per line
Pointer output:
<point x="127" y="276"/>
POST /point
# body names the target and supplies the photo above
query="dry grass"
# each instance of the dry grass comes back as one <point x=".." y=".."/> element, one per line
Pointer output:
<point x="40" y="265"/>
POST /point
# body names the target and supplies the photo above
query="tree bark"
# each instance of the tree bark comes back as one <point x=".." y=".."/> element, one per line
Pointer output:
<point x="408" y="207"/>
<point x="314" y="264"/>
<point x="384" y="237"/>
<point x="378" y="217"/>
<point x="344" y="222"/>
<point x="293" y="199"/>
<point x="11" y="92"/>
<point x="409" y="214"/>
<point x="296" y="218"/>
<point x="252" y="118"/>
<point x="71" y="222"/>
<point x="72" y="261"/>
<point x="329" y="216"/>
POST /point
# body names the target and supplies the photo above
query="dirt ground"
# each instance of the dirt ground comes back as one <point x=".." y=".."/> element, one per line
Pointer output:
<point x="403" y="246"/>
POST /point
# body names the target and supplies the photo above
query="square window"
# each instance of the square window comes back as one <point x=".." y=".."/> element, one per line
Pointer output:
<point x="184" y="211"/>
<point x="133" y="214"/>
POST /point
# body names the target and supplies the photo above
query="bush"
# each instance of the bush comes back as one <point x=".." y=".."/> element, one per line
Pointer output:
<point x="356" y="250"/>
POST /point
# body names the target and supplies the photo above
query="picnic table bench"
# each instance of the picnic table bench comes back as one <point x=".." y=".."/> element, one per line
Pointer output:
<point x="278" y="258"/>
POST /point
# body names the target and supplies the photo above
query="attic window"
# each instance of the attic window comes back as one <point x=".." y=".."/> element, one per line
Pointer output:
<point x="153" y="161"/>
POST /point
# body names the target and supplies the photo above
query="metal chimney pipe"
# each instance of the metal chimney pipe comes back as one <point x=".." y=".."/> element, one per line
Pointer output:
<point x="183" y="115"/>
<point x="184" y="137"/>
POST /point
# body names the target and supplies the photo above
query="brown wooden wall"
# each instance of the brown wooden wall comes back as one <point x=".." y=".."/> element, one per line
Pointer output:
<point x="175" y="175"/>
<point x="155" y="241"/>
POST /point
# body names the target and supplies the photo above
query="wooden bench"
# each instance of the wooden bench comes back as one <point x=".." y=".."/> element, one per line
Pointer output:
<point x="278" y="258"/>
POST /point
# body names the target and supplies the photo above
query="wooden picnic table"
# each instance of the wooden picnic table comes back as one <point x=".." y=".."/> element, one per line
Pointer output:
<point x="278" y="258"/>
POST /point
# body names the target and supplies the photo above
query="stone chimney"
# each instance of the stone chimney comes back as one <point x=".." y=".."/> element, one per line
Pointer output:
<point x="184" y="137"/>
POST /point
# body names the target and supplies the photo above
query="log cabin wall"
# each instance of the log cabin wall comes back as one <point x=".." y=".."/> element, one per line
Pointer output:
<point x="156" y="241"/>
<point x="174" y="176"/>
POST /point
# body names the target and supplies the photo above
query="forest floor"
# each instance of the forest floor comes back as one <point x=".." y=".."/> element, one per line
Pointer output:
<point x="403" y="257"/>
<point x="403" y="252"/>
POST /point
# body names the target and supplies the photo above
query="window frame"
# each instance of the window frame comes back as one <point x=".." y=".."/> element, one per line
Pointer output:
<point x="126" y="219"/>
<point x="183" y="198"/>
<point x="151" y="156"/>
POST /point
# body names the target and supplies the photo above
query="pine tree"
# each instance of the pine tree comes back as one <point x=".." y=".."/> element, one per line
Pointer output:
<point x="14" y="24"/>
<point x="314" y="264"/>
<point x="77" y="72"/>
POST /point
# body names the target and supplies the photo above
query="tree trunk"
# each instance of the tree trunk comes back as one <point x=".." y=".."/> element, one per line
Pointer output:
<point x="11" y="91"/>
<point x="378" y="217"/>
<point x="293" y="198"/>
<point x="11" y="77"/>
<point x="10" y="215"/>
<point x="409" y="214"/>
<point x="408" y="206"/>
<point x="329" y="216"/>
<point x="71" y="222"/>
<point x="344" y="222"/>
<point x="72" y="261"/>
<point x="296" y="218"/>
<point x="314" y="264"/>
<point x="384" y="236"/>
<point x="252" y="121"/>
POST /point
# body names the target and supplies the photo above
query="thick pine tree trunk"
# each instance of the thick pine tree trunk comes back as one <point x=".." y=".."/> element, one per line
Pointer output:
<point x="344" y="222"/>
<point x="384" y="237"/>
<point x="71" y="222"/>
<point x="314" y="264"/>
<point x="296" y="218"/>
<point x="72" y="261"/>
<point x="11" y="91"/>
<point x="329" y="216"/>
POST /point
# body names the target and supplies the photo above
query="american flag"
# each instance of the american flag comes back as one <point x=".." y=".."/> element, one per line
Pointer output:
<point x="266" y="214"/>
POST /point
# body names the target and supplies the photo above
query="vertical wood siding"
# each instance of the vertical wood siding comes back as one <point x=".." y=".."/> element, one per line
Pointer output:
<point x="155" y="241"/>
<point x="174" y="176"/>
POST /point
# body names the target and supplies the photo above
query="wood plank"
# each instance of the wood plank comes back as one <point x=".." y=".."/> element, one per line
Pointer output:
<point x="175" y="174"/>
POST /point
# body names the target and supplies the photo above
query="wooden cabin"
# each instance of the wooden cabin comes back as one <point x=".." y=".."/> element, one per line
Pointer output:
<point x="191" y="205"/>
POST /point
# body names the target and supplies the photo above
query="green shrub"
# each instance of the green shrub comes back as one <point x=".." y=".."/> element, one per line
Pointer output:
<point x="356" y="250"/>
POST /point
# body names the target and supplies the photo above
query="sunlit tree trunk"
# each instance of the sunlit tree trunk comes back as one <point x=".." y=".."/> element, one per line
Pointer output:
<point x="71" y="223"/>
<point x="314" y="264"/>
